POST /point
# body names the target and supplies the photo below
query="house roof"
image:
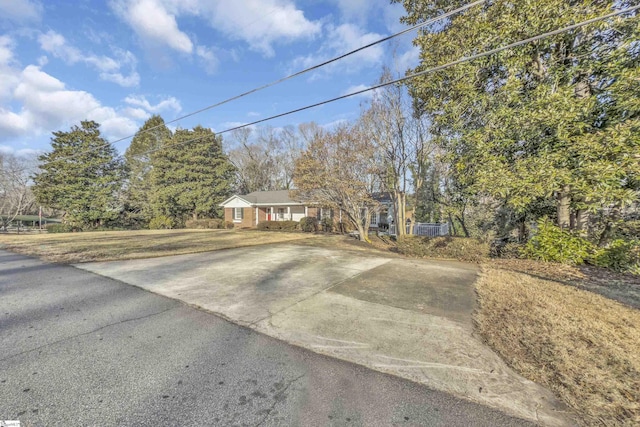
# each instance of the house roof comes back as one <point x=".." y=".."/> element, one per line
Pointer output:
<point x="264" y="198"/>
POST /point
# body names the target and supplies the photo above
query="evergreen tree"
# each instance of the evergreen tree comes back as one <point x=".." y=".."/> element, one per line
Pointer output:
<point x="81" y="176"/>
<point x="151" y="135"/>
<point x="191" y="178"/>
<point x="557" y="119"/>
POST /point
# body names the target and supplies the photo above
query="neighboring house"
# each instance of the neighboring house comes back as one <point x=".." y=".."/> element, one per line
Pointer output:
<point x="249" y="210"/>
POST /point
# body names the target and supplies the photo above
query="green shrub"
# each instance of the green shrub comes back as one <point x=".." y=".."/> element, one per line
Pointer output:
<point x="161" y="222"/>
<point x="551" y="243"/>
<point x="278" y="225"/>
<point x="309" y="224"/>
<point x="205" y="223"/>
<point x="621" y="255"/>
<point x="628" y="230"/>
<point x="512" y="250"/>
<point x="62" y="228"/>
<point x="327" y="224"/>
<point x="460" y="248"/>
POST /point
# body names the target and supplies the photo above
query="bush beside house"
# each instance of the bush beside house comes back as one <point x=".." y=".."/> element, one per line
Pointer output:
<point x="309" y="224"/>
<point x="278" y="225"/>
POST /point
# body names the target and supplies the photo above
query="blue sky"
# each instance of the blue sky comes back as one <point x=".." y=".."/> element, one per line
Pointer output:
<point x="117" y="62"/>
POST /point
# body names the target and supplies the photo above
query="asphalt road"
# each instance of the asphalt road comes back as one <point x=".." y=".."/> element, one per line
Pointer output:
<point x="80" y="349"/>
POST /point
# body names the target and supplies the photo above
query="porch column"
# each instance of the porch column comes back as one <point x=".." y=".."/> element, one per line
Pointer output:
<point x="274" y="216"/>
<point x="289" y="213"/>
<point x="257" y="215"/>
<point x="306" y="211"/>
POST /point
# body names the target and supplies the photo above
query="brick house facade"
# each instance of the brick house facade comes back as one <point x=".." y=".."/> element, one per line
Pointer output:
<point x="248" y="210"/>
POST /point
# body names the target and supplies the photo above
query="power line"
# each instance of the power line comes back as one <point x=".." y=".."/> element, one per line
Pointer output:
<point x="296" y="74"/>
<point x="412" y="76"/>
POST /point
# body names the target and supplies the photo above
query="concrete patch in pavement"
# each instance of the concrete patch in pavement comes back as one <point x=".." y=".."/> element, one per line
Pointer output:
<point x="409" y="318"/>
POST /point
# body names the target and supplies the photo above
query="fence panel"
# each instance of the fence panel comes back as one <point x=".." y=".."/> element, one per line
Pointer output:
<point x="423" y="229"/>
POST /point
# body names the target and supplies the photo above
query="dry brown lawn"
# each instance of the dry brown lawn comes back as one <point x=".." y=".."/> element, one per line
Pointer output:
<point x="118" y="245"/>
<point x="583" y="346"/>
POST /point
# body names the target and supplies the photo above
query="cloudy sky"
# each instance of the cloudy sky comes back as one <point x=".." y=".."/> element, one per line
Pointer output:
<point x="119" y="61"/>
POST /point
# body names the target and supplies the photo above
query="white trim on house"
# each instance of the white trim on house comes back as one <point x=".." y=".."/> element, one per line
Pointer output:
<point x="277" y="204"/>
<point x="238" y="214"/>
<point x="236" y="202"/>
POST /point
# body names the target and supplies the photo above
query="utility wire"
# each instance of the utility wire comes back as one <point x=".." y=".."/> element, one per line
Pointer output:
<point x="412" y="76"/>
<point x="402" y="79"/>
<point x="296" y="74"/>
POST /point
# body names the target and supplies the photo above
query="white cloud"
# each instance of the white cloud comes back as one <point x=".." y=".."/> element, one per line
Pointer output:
<point x="342" y="39"/>
<point x="6" y="50"/>
<point x="55" y="44"/>
<point x="8" y="78"/>
<point x="23" y="152"/>
<point x="408" y="60"/>
<point x="136" y="113"/>
<point x="259" y="23"/>
<point x="208" y="59"/>
<point x="356" y="88"/>
<point x="47" y="105"/>
<point x="153" y="23"/>
<point x="167" y="104"/>
<point x="20" y="10"/>
<point x="357" y="10"/>
<point x="109" y="69"/>
<point x="334" y="124"/>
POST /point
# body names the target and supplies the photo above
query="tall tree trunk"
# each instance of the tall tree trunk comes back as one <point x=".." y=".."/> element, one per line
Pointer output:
<point x="582" y="220"/>
<point x="563" y="201"/>
<point x="608" y="227"/>
<point x="399" y="214"/>
<point x="522" y="229"/>
<point x="453" y="224"/>
<point x="363" y="229"/>
<point x="572" y="220"/>
<point x="463" y="225"/>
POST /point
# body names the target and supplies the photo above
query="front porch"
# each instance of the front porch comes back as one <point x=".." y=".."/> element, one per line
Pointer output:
<point x="280" y="213"/>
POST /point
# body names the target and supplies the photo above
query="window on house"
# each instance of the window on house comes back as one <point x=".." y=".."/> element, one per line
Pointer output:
<point x="238" y="213"/>
<point x="280" y="213"/>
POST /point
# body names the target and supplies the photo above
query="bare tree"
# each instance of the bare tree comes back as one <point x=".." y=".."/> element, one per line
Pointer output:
<point x="337" y="171"/>
<point x="265" y="158"/>
<point x="251" y="162"/>
<point x="401" y="144"/>
<point x="16" y="197"/>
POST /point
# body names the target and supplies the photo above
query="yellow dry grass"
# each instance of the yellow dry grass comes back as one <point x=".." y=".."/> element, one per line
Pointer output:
<point x="117" y="245"/>
<point x="583" y="346"/>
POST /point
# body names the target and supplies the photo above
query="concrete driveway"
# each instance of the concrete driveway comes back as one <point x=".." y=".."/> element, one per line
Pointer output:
<point x="78" y="349"/>
<point x="410" y="318"/>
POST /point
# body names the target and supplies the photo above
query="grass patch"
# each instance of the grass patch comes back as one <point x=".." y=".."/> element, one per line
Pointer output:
<point x="118" y="245"/>
<point x="581" y="345"/>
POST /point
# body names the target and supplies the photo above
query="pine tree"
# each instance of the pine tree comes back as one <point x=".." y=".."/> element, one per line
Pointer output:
<point x="151" y="135"/>
<point x="191" y="178"/>
<point x="81" y="176"/>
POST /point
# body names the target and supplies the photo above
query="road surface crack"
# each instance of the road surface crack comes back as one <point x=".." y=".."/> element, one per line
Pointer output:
<point x="86" y="333"/>
<point x="276" y="399"/>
